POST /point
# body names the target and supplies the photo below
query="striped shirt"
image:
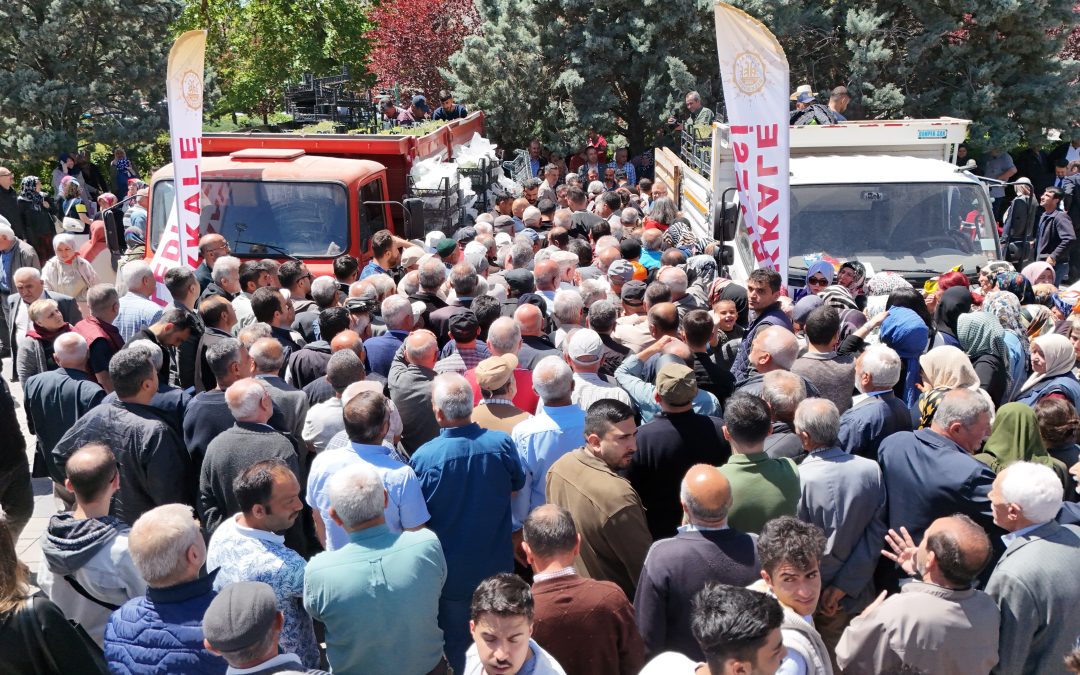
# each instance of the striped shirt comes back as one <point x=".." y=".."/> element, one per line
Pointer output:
<point x="136" y="313"/>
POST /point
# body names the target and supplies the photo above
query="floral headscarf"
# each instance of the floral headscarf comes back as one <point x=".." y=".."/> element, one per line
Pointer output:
<point x="838" y="297"/>
<point x="1006" y="308"/>
<point x="884" y="283"/>
<point x="1016" y="284"/>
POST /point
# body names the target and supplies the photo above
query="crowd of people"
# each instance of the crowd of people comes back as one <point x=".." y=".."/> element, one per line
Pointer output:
<point x="554" y="441"/>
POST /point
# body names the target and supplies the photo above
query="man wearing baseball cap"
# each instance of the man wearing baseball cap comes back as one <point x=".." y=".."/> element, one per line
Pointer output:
<point x="585" y="354"/>
<point x="243" y="624"/>
<point x="495" y="377"/>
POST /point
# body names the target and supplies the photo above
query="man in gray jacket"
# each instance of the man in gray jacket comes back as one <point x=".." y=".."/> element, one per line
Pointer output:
<point x="844" y="495"/>
<point x="411" y="374"/>
<point x="1035" y="582"/>
<point x="88" y="571"/>
<point x="14" y="255"/>
<point x="939" y="624"/>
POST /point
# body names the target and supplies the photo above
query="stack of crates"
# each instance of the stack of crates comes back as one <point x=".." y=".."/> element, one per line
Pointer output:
<point x="443" y="209"/>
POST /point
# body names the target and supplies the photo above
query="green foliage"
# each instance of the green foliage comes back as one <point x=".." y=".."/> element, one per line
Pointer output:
<point x="80" y="69"/>
<point x="622" y="67"/>
<point x="254" y="49"/>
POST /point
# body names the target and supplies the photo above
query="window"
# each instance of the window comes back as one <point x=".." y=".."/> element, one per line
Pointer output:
<point x="372" y="216"/>
<point x="267" y="218"/>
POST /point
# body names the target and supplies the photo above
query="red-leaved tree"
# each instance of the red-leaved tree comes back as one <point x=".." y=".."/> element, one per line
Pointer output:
<point x="413" y="40"/>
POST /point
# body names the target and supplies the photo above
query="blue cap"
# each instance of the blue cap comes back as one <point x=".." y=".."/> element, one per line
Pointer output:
<point x="531" y="234"/>
<point x="805" y="98"/>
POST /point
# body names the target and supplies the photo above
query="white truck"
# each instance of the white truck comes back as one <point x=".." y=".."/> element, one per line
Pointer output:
<point x="886" y="193"/>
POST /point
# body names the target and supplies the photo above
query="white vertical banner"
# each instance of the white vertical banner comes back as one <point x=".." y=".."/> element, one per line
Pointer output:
<point x="754" y="70"/>
<point x="179" y="242"/>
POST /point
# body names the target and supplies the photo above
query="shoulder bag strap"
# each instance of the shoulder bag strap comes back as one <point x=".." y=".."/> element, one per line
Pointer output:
<point x="86" y="594"/>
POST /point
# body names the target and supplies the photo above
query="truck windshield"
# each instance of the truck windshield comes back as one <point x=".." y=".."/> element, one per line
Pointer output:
<point x="901" y="227"/>
<point x="266" y="218"/>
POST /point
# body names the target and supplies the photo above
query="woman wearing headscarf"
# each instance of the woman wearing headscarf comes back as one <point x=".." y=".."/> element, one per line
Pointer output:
<point x="953" y="303"/>
<point x="818" y="276"/>
<point x="943" y="369"/>
<point x="1038" y="273"/>
<point x="983" y="339"/>
<point x="136" y="248"/>
<point x="906" y="333"/>
<point x="681" y="235"/>
<point x="851" y="317"/>
<point x="36" y="212"/>
<point x="1006" y="308"/>
<point x="878" y="289"/>
<point x="1061" y="308"/>
<point x="990" y="270"/>
<point x="68" y="273"/>
<point x="700" y="274"/>
<point x="852" y="276"/>
<point x="1014" y="437"/>
<point x="1052" y="359"/>
<point x="96" y="252"/>
<point x="1037" y="320"/>
<point x="36" y="351"/>
<point x="1059" y="427"/>
<point x="1015" y="283"/>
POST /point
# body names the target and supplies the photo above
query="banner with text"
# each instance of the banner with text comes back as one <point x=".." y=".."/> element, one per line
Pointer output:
<point x="179" y="242"/>
<point x="754" y="70"/>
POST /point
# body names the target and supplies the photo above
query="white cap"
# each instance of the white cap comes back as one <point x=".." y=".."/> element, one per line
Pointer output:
<point x="503" y="239"/>
<point x="531" y="216"/>
<point x="475" y="247"/>
<point x="432" y="238"/>
<point x="585" y="346"/>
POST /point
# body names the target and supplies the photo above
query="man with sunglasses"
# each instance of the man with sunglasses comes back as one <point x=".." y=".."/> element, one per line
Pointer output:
<point x="211" y="247"/>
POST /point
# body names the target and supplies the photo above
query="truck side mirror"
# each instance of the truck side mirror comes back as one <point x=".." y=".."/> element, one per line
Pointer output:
<point x="414" y="218"/>
<point x="727" y="255"/>
<point x="725" y="217"/>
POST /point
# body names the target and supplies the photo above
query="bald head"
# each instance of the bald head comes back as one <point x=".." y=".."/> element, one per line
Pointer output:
<point x="348" y="339"/>
<point x="680" y="349"/>
<point x="663" y="319"/>
<point x="91" y="472"/>
<point x="530" y="318"/>
<point x="676" y="280"/>
<point x="504" y="336"/>
<point x="422" y="349"/>
<point x="547" y="274"/>
<point x="520" y="204"/>
<point x="774" y="348"/>
<point x="960" y="550"/>
<point x="267" y="355"/>
<point x="706" y="495"/>
<point x="606" y="257"/>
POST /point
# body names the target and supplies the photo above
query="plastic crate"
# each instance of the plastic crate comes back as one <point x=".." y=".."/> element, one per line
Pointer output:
<point x="442" y="205"/>
<point x="517" y="169"/>
<point x="695" y="148"/>
<point x="481" y="177"/>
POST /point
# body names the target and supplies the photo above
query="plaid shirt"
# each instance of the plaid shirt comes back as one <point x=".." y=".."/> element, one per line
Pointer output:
<point x="631" y="174"/>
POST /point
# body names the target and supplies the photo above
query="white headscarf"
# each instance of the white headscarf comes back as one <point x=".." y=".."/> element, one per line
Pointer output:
<point x="1059" y="355"/>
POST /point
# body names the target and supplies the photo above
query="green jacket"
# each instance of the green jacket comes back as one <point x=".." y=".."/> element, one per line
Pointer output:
<point x="761" y="489"/>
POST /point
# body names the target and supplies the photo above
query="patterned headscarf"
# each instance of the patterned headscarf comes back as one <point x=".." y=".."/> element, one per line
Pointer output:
<point x="28" y="192"/>
<point x="928" y="405"/>
<point x="883" y="283"/>
<point x="1066" y="301"/>
<point x="1016" y="284"/>
<point x="980" y="333"/>
<point x="702" y="268"/>
<point x="856" y="286"/>
<point x="1006" y="308"/>
<point x="838" y="297"/>
<point x="680" y="235"/>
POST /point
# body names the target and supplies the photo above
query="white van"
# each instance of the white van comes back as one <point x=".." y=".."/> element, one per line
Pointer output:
<point x="885" y="193"/>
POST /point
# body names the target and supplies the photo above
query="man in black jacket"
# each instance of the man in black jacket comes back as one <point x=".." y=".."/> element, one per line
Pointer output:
<point x="1055" y="234"/>
<point x="155" y="469"/>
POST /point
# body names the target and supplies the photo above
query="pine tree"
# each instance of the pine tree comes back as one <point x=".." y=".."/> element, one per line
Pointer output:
<point x="77" y="69"/>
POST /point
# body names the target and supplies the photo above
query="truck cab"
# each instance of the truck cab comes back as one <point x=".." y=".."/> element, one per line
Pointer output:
<point x="284" y="203"/>
<point x="310" y="197"/>
<point x="887" y="194"/>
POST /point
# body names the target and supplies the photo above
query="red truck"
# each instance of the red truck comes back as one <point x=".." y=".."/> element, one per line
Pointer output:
<point x="306" y="196"/>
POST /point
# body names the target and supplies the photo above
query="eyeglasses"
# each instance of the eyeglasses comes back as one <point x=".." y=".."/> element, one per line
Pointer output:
<point x="218" y="248"/>
<point x="817" y="281"/>
<point x="7" y="175"/>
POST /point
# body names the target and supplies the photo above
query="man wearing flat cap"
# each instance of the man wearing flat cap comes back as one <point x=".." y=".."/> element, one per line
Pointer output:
<point x="676" y="439"/>
<point x="242" y="625"/>
<point x="496" y="411"/>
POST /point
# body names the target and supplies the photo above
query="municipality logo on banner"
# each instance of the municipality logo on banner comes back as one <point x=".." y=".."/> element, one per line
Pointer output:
<point x="179" y="242"/>
<point x="754" y="70"/>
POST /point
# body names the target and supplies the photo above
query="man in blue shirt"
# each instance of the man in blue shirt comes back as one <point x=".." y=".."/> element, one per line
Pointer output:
<point x="385" y="254"/>
<point x="467" y="475"/>
<point x="367" y="419"/>
<point x="379" y="594"/>
<point x="554" y="431"/>
<point x="380" y="349"/>
<point x="622" y="163"/>
<point x="448" y="110"/>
